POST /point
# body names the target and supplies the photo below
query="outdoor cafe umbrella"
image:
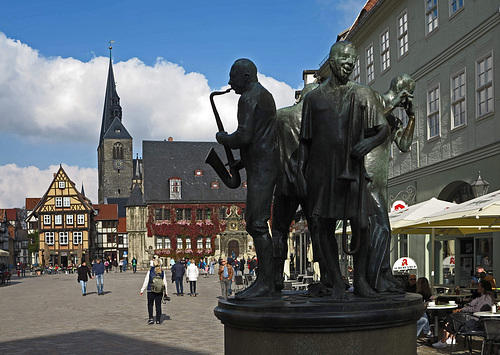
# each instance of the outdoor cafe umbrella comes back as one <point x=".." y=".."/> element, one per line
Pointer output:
<point x="478" y="215"/>
<point x="4" y="253"/>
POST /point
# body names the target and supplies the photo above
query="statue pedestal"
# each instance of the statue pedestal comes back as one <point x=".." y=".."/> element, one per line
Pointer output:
<point x="299" y="324"/>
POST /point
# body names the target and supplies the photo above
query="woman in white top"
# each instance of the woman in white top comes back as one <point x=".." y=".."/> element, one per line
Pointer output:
<point x="192" y="275"/>
<point x="154" y="297"/>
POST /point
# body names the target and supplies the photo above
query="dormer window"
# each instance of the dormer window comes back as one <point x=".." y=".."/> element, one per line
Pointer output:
<point x="214" y="185"/>
<point x="175" y="188"/>
<point x="198" y="172"/>
<point x="117" y="130"/>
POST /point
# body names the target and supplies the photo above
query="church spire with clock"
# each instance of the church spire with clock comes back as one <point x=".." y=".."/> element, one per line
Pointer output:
<point x="114" y="154"/>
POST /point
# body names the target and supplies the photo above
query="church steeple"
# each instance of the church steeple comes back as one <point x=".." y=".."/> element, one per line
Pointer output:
<point x="112" y="108"/>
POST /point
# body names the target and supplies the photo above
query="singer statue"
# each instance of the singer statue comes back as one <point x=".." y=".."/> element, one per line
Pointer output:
<point x="341" y="122"/>
<point x="255" y="138"/>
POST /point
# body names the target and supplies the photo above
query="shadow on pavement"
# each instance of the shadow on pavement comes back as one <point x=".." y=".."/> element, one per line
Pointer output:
<point x="88" y="342"/>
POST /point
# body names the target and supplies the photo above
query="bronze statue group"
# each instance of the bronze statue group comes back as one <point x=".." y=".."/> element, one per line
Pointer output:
<point x="329" y="153"/>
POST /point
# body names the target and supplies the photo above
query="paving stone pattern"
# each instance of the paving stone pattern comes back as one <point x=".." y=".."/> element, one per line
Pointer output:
<point x="47" y="314"/>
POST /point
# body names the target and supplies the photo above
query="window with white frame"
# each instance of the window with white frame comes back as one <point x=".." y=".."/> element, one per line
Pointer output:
<point x="356" y="77"/>
<point x="47" y="219"/>
<point x="49" y="238"/>
<point x="188" y="243"/>
<point x="458" y="108"/>
<point x="208" y="243"/>
<point x="455" y="5"/>
<point x="403" y="34"/>
<point x="66" y="202"/>
<point x="58" y="219"/>
<point x="179" y="243"/>
<point x="433" y="117"/>
<point x="80" y="219"/>
<point x="69" y="219"/>
<point x="159" y="242"/>
<point x="62" y="184"/>
<point x="175" y="188"/>
<point x="403" y="116"/>
<point x="59" y="202"/>
<point x="385" y="54"/>
<point x="431" y="15"/>
<point x="77" y="238"/>
<point x="484" y="85"/>
<point x="167" y="243"/>
<point x="370" y="73"/>
<point x="199" y="243"/>
<point x="63" y="238"/>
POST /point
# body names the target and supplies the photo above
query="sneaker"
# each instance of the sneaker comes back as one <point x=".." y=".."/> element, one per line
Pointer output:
<point x="429" y="335"/>
<point x="157" y="322"/>
<point x="439" y="345"/>
<point x="150" y="321"/>
<point x="450" y="341"/>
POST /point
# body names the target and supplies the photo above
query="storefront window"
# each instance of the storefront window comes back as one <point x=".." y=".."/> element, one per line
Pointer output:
<point x="444" y="273"/>
<point x="484" y="254"/>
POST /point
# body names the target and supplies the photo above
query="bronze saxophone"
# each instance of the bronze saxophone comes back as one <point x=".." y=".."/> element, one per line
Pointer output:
<point x="232" y="177"/>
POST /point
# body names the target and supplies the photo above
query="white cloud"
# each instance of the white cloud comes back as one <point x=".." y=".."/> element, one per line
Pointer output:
<point x="17" y="183"/>
<point x="46" y="100"/>
<point x="62" y="98"/>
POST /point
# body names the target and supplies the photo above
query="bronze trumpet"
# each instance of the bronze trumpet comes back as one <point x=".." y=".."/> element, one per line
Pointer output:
<point x="232" y="177"/>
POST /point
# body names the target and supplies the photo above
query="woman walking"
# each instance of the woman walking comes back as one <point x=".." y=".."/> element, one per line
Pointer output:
<point x="192" y="273"/>
<point x="153" y="282"/>
<point x="83" y="277"/>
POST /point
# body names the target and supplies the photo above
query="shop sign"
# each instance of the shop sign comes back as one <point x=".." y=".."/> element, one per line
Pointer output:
<point x="398" y="205"/>
<point x="403" y="264"/>
<point x="449" y="262"/>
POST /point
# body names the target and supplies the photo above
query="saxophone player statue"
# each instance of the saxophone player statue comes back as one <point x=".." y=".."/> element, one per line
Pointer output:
<point x="255" y="138"/>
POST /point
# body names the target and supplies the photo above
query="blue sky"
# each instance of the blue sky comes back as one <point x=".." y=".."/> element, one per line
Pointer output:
<point x="167" y="57"/>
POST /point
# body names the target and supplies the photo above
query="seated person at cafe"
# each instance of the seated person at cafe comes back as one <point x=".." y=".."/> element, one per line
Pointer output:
<point x="424" y="289"/>
<point x="485" y="277"/>
<point x="411" y="286"/>
<point x="482" y="303"/>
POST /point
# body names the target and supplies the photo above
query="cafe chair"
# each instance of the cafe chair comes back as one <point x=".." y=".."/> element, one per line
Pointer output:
<point x="466" y="326"/>
<point x="238" y="280"/>
<point x="491" y="343"/>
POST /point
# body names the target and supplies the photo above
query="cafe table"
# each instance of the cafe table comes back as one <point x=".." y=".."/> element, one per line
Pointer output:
<point x="461" y="298"/>
<point x="486" y="314"/>
<point x="438" y="309"/>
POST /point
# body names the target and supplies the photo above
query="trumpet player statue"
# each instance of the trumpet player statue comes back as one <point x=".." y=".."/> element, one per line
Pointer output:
<point x="341" y="122"/>
<point x="255" y="138"/>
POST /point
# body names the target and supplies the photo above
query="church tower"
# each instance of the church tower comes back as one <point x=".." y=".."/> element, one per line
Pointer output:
<point x="114" y="153"/>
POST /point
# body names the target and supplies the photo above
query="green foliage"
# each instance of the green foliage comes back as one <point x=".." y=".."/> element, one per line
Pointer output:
<point x="33" y="245"/>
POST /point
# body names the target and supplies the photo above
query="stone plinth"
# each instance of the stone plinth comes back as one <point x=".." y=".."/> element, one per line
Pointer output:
<point x="296" y="323"/>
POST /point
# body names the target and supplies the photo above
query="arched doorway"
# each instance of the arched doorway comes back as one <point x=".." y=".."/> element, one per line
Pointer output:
<point x="457" y="191"/>
<point x="233" y="246"/>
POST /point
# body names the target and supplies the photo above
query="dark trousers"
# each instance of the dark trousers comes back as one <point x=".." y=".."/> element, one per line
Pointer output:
<point x="156" y="298"/>
<point x="178" y="285"/>
<point x="192" y="287"/>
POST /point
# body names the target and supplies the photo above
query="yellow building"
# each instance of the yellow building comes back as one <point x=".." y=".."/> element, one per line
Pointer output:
<point x="65" y="223"/>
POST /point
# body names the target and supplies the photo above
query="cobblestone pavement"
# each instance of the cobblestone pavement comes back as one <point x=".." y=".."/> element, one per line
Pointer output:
<point x="47" y="314"/>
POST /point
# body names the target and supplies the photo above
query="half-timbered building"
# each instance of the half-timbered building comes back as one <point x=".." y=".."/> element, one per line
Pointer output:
<point x="65" y="223"/>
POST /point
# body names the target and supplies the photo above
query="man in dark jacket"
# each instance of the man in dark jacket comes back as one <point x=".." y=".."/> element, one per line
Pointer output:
<point x="83" y="271"/>
<point x="178" y="270"/>
<point x="98" y="271"/>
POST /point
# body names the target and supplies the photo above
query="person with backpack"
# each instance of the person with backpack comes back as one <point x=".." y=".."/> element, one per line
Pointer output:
<point x="156" y="284"/>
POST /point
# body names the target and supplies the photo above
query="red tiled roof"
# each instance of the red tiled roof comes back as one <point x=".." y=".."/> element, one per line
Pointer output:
<point x="106" y="212"/>
<point x="11" y="214"/>
<point x="122" y="225"/>
<point x="31" y="203"/>
<point x="370" y="4"/>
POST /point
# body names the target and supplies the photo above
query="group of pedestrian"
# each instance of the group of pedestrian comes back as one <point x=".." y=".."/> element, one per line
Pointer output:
<point x="97" y="271"/>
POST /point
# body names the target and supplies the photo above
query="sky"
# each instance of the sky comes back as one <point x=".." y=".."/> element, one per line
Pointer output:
<point x="167" y="58"/>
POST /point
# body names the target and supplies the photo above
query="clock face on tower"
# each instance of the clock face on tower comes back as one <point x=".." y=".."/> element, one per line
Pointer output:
<point x="118" y="164"/>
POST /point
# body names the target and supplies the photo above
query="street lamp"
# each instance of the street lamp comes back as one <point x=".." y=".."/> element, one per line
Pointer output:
<point x="480" y="186"/>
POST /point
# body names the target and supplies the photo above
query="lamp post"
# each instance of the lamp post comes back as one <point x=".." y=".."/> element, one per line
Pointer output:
<point x="480" y="186"/>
